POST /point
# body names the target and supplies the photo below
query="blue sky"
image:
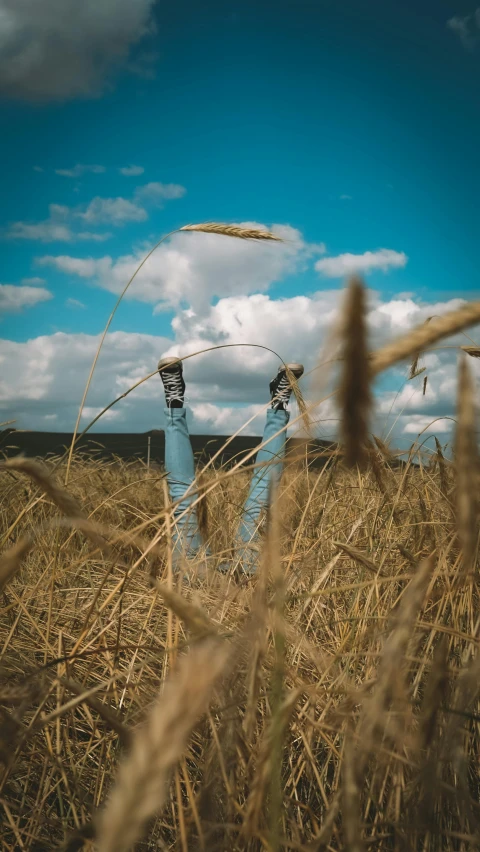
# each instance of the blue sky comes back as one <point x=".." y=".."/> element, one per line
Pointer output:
<point x="356" y="125"/>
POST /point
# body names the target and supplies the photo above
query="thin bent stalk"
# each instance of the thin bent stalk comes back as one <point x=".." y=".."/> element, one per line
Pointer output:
<point x="97" y="353"/>
<point x="206" y="227"/>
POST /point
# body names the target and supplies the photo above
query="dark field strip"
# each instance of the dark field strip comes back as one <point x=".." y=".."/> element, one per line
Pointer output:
<point x="130" y="446"/>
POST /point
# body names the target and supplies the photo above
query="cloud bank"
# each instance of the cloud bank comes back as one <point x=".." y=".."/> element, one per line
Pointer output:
<point x="62" y="224"/>
<point x="346" y="264"/>
<point x="194" y="268"/>
<point x="467" y="28"/>
<point x="62" y="49"/>
<point x="219" y="290"/>
<point x="45" y="378"/>
<point x="14" y="297"/>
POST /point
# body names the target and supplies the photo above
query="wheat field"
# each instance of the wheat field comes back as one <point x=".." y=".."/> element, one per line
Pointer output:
<point x="330" y="703"/>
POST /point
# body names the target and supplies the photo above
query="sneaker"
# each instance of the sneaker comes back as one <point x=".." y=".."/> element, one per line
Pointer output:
<point x="280" y="387"/>
<point x="171" y="374"/>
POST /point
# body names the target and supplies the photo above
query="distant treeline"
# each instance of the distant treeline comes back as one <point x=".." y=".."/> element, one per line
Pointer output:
<point x="131" y="446"/>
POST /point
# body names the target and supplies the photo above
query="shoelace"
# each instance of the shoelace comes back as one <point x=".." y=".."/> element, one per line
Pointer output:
<point x="283" y="391"/>
<point x="173" y="386"/>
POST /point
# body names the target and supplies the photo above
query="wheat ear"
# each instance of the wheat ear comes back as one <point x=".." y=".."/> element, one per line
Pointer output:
<point x="355" y="398"/>
<point x="232" y="231"/>
<point x="424" y="335"/>
<point x="473" y="351"/>
<point x="467" y="464"/>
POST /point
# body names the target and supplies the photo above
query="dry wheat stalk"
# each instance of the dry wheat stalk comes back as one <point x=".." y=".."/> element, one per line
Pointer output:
<point x="407" y="554"/>
<point x="416" y="373"/>
<point x="108" y="714"/>
<point x="142" y="781"/>
<point x="205" y="227"/>
<point x="442" y="469"/>
<point x="264" y="765"/>
<point x="355" y="399"/>
<point x="299" y="399"/>
<point x="232" y="231"/>
<point x="473" y="351"/>
<point x="393" y="656"/>
<point x="332" y="628"/>
<point x="62" y="498"/>
<point x="40" y="475"/>
<point x="194" y="617"/>
<point x="424" y="335"/>
<point x="201" y="507"/>
<point x="358" y="556"/>
<point x="467" y="465"/>
<point x="377" y="466"/>
<point x="11" y="560"/>
<point x="384" y="449"/>
<point x="17" y="694"/>
<point x="435" y="689"/>
<point x="351" y="799"/>
<point x="466" y="693"/>
<point x="466" y="696"/>
<point x="320" y="842"/>
<point x="414" y="370"/>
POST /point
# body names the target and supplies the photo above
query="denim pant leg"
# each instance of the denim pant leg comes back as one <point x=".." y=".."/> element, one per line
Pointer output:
<point x="264" y="481"/>
<point x="180" y="467"/>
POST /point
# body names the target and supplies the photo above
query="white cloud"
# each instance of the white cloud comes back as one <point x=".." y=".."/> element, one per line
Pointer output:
<point x="226" y="420"/>
<point x="131" y="171"/>
<point x="14" y="298"/>
<point x="119" y="211"/>
<point x="226" y="387"/>
<point x="144" y="64"/>
<point x="116" y="212"/>
<point x="194" y="267"/>
<point x="74" y="303"/>
<point x="417" y="423"/>
<point x="112" y="211"/>
<point x="296" y="329"/>
<point x="35" y="281"/>
<point x="90" y="412"/>
<point x="345" y="197"/>
<point x="59" y="49"/>
<point x="346" y="264"/>
<point x="79" y="170"/>
<point x="466" y="28"/>
<point x="38" y="169"/>
<point x="53" y="229"/>
<point x="46" y="376"/>
<point x="93" y="237"/>
<point x="157" y="193"/>
<point x="84" y="267"/>
<point x="400" y="314"/>
<point x="57" y="228"/>
<point x="48" y="231"/>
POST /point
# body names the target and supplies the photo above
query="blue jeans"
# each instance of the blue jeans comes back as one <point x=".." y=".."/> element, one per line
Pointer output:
<point x="180" y="467"/>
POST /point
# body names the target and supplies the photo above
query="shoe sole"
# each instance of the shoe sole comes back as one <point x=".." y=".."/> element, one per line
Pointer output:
<point x="296" y="369"/>
<point x="165" y="363"/>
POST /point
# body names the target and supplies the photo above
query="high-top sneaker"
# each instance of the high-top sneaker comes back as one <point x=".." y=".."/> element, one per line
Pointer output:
<point x="280" y="387"/>
<point x="171" y="374"/>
